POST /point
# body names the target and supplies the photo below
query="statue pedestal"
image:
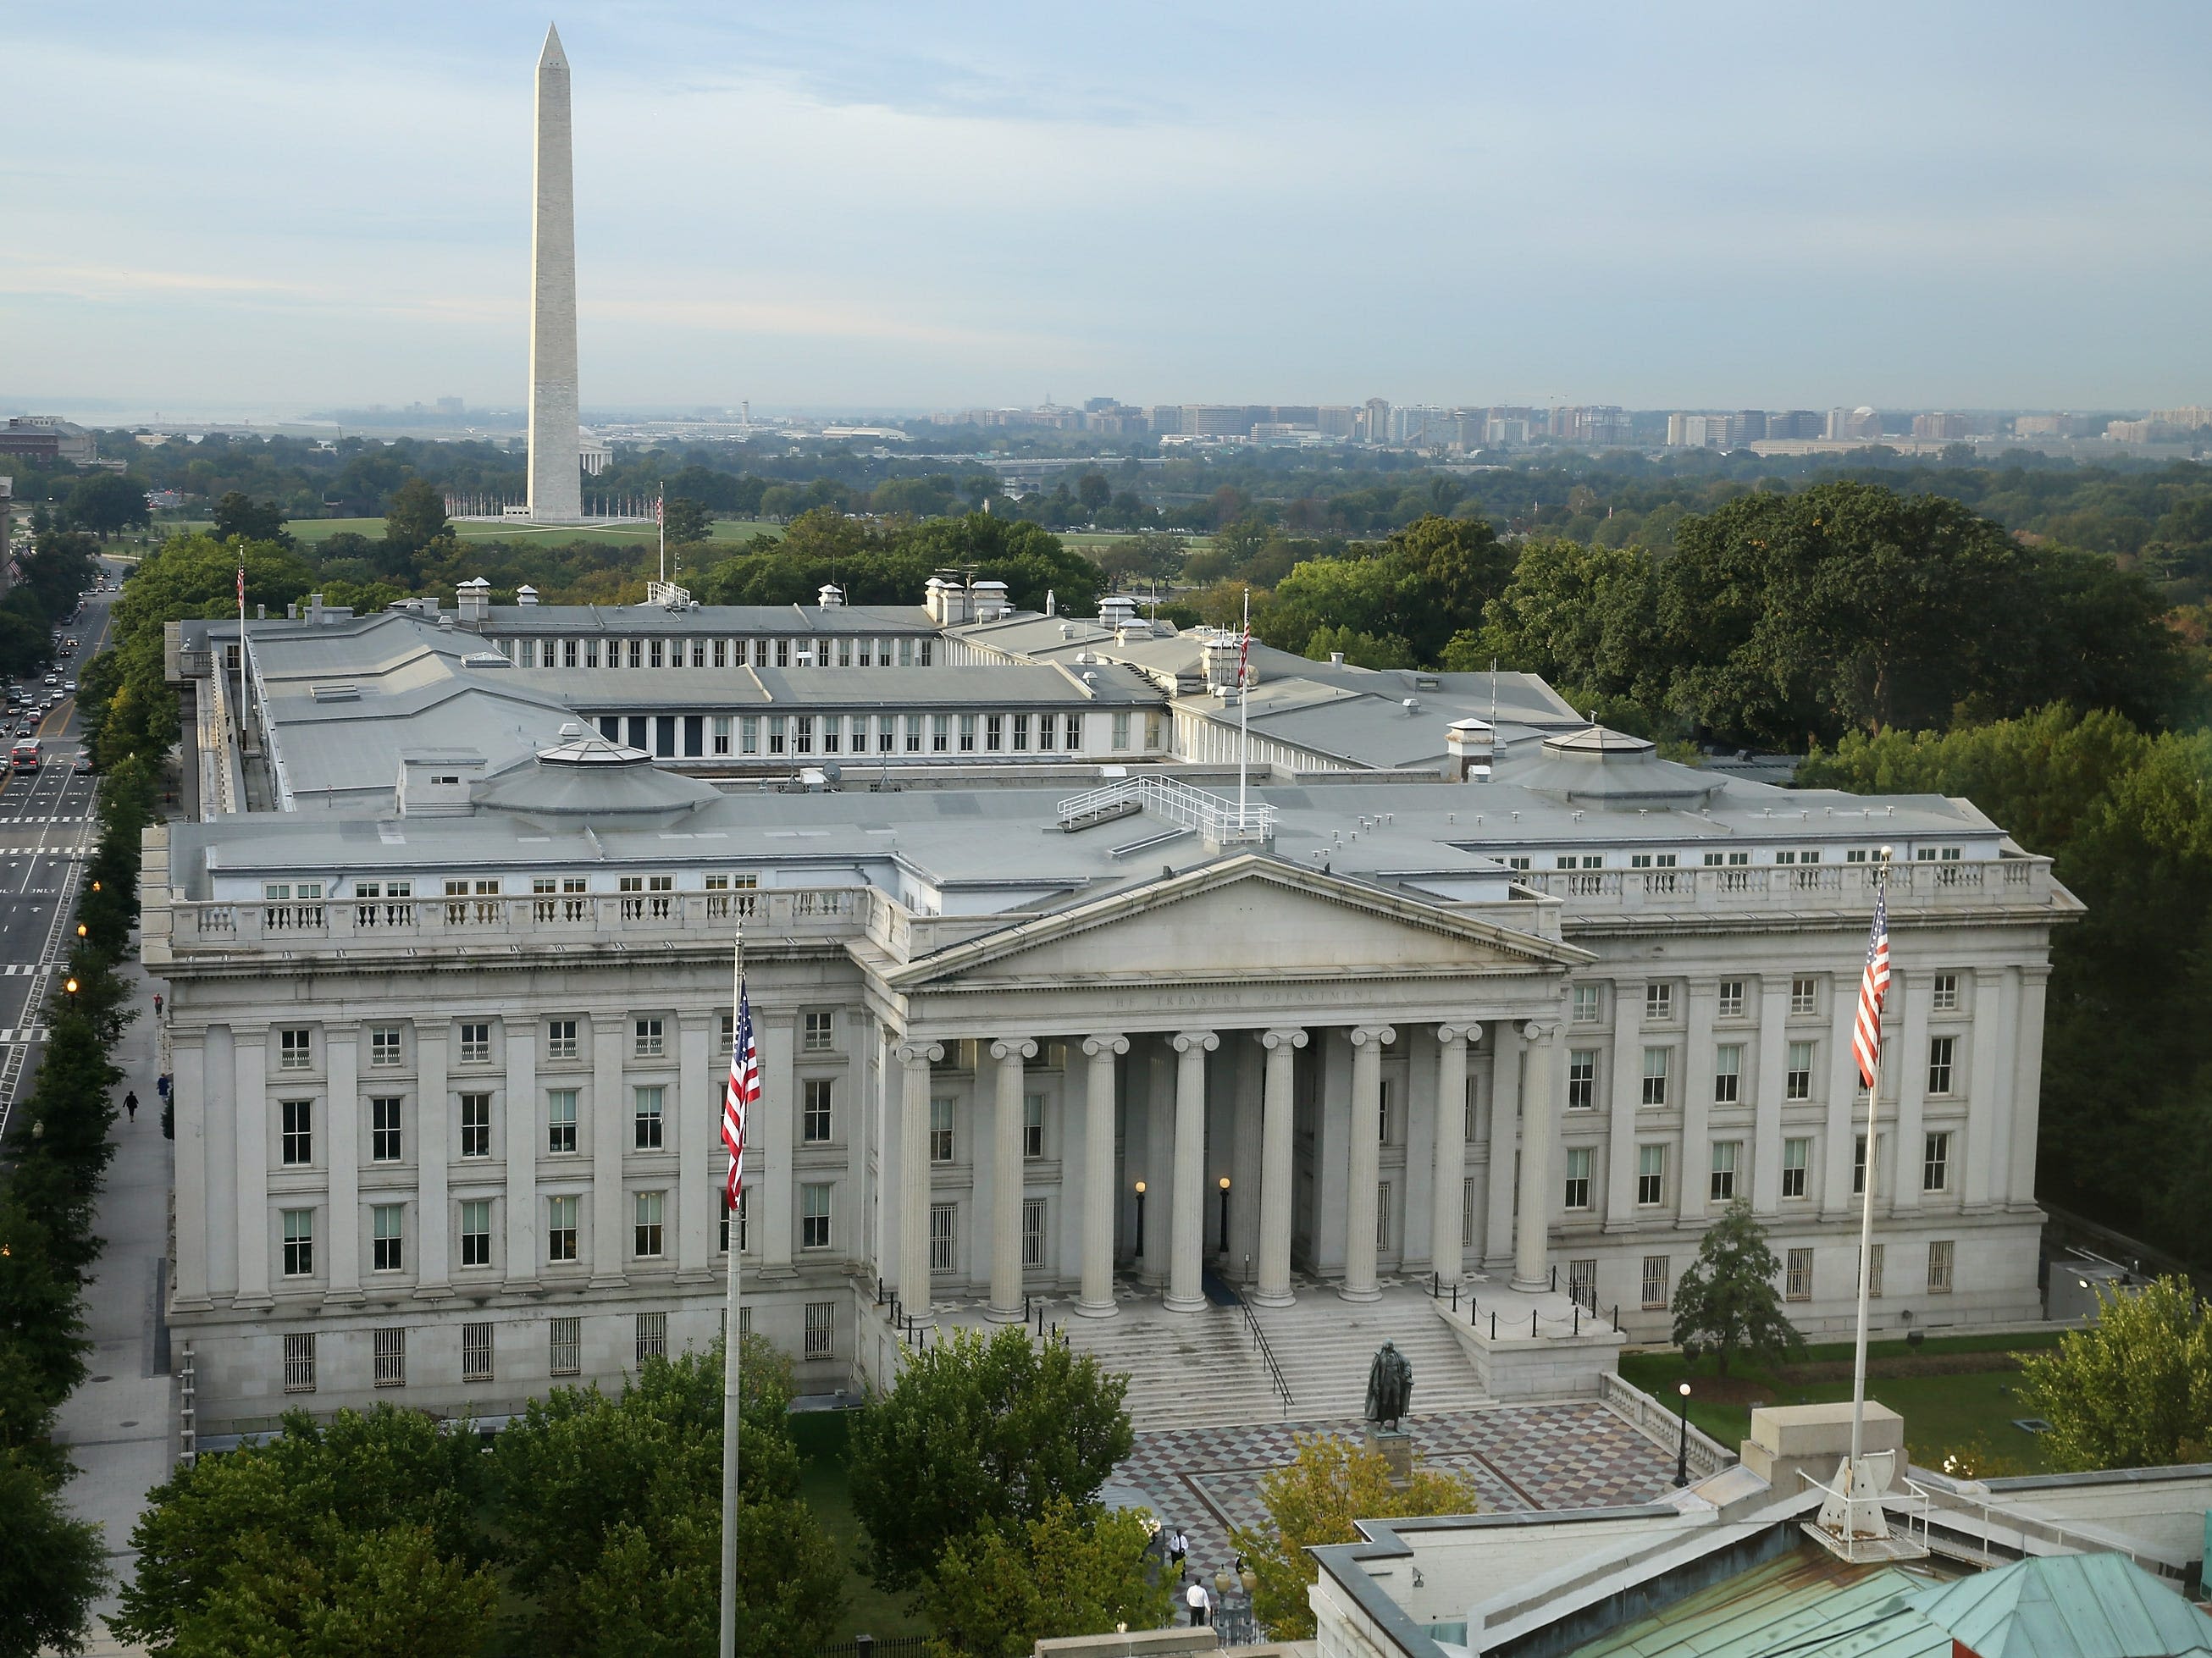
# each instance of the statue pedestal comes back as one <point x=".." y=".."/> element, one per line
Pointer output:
<point x="1396" y="1447"/>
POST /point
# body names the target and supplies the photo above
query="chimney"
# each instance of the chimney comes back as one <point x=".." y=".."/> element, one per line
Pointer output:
<point x="1116" y="612"/>
<point x="1336" y="658"/>
<point x="830" y="598"/>
<point x="291" y="611"/>
<point x="475" y="597"/>
<point x="990" y="600"/>
<point x="526" y="595"/>
<point x="315" y="610"/>
<point x="1470" y="749"/>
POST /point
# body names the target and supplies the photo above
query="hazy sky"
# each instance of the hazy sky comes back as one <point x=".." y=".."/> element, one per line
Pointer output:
<point x="241" y="207"/>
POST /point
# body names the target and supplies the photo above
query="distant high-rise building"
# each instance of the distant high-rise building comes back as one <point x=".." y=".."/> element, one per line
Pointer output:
<point x="1791" y="425"/>
<point x="2192" y="418"/>
<point x="1941" y="427"/>
<point x="1750" y="426"/>
<point x="1859" y="425"/>
<point x="1375" y="422"/>
<point x="1336" y="419"/>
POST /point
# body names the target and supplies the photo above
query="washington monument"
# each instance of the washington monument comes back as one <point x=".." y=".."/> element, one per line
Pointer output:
<point x="556" y="486"/>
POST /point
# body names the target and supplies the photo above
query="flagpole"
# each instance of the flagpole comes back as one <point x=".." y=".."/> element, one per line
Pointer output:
<point x="241" y="684"/>
<point x="1866" y="1229"/>
<point x="1243" y="697"/>
<point x="732" y="1343"/>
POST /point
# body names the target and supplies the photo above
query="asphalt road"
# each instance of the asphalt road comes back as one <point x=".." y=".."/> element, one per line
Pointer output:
<point x="46" y="831"/>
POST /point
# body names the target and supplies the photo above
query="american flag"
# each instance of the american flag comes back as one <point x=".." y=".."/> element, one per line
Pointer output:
<point x="1873" y="987"/>
<point x="744" y="1088"/>
<point x="241" y="588"/>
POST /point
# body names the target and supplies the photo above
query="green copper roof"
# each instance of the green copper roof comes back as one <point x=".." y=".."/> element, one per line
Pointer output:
<point x="2067" y="1606"/>
<point x="1807" y="1604"/>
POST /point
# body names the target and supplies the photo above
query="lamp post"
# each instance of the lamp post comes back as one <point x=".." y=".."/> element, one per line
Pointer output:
<point x="1140" y="1222"/>
<point x="1225" y="1215"/>
<point x="1682" y="1455"/>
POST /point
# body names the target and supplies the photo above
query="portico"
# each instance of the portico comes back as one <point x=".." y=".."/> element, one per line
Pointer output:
<point x="1297" y="1068"/>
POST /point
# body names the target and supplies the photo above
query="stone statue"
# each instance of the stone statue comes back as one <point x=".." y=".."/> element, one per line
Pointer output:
<point x="1389" y="1388"/>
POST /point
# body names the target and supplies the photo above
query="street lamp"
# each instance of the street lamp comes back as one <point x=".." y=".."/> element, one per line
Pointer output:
<point x="69" y="985"/>
<point x="1682" y="1456"/>
<point x="1224" y="1214"/>
<point x="1140" y="1220"/>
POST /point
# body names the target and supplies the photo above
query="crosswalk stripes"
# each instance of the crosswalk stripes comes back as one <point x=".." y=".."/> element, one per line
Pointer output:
<point x="15" y="969"/>
<point x="28" y="1032"/>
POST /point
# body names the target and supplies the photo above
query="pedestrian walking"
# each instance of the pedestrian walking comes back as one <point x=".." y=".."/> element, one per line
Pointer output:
<point x="1195" y="1598"/>
<point x="130" y="1104"/>
<point x="1178" y="1547"/>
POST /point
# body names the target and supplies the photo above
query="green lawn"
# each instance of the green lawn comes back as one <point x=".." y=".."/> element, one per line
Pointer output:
<point x="820" y="1436"/>
<point x="1941" y="1412"/>
<point x="313" y="530"/>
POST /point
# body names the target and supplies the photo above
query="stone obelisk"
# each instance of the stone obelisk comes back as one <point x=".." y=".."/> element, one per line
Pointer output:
<point x="556" y="489"/>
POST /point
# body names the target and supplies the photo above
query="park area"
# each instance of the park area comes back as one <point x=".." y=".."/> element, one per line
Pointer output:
<point x="1956" y="1393"/>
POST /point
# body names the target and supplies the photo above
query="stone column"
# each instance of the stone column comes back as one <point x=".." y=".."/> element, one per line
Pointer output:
<point x="1762" y="1181"/>
<point x="250" y="1149"/>
<point x="775" y="1188"/>
<point x="914" y="1060"/>
<point x="1539" y="1084"/>
<point x="433" y="1127"/>
<point x="1504" y="1144"/>
<point x="1364" y="1161"/>
<point x="1006" y="1304"/>
<point x="1690" y="1164"/>
<point x="1096" y="1297"/>
<point x="1186" y="1238"/>
<point x="1158" y="1170"/>
<point x="1447" y="1254"/>
<point x="611" y="1135"/>
<point x="188" y="1096"/>
<point x="526" y="1137"/>
<point x="698" y="1139"/>
<point x="1909" y="1060"/>
<point x="1841" y="1138"/>
<point x="341" y="1129"/>
<point x="1625" y="1102"/>
<point x="1276" y="1107"/>
<point x="2028" y="1085"/>
<point x="1989" y="1081"/>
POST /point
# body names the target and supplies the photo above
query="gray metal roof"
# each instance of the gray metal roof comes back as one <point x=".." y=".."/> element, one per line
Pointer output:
<point x="578" y="621"/>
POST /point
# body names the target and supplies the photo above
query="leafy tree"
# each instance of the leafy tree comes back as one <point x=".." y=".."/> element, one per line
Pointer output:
<point x="238" y="514"/>
<point x="685" y="520"/>
<point x="414" y="517"/>
<point x="1094" y="489"/>
<point x="1070" y="1571"/>
<point x="2135" y="1389"/>
<point x="105" y="502"/>
<point x="382" y="1594"/>
<point x="1328" y="1486"/>
<point x="1361" y="650"/>
<point x="978" y="1433"/>
<point x="52" y="1567"/>
<point x="1727" y="1302"/>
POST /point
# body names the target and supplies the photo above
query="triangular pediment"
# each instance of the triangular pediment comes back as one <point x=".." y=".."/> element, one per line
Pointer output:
<point x="1246" y="917"/>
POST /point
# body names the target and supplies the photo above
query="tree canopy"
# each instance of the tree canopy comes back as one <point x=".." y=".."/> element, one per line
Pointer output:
<point x="1727" y="1302"/>
<point x="1071" y="1570"/>
<point x="2132" y="1390"/>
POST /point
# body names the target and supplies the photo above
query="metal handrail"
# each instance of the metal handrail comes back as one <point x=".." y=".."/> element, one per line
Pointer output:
<point x="1219" y="820"/>
<point x="1963" y="1503"/>
<point x="1275" y="1376"/>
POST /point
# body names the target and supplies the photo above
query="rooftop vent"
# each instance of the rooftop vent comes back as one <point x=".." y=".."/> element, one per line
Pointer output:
<point x="335" y="693"/>
<point x="829" y="596"/>
<point x="475" y="597"/>
<point x="526" y="595"/>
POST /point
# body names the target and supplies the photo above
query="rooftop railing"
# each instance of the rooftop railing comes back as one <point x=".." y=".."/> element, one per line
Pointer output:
<point x="1912" y="887"/>
<point x="1216" y="818"/>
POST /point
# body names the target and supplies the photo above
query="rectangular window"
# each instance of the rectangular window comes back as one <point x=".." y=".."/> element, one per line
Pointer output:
<point x="1584" y="861"/>
<point x="561" y="1227"/>
<point x="299" y="1242"/>
<point x="1578" y="1177"/>
<point x="1650" y="1175"/>
<point x="1032" y="1126"/>
<point x="648" y="1041"/>
<point x="1940" y="1051"/>
<point x="1804" y="996"/>
<point x="475" y="1232"/>
<point x="820" y="1033"/>
<point x="814" y="1113"/>
<point x="1936" y="1162"/>
<point x="384" y="1130"/>
<point x="647" y="1207"/>
<point x="940" y="1129"/>
<point x="1151" y="732"/>
<point x="1731" y="999"/>
<point x="1467" y="1213"/>
<point x="1797" y="1079"/>
<point x="719" y="729"/>
<point x="476" y="1044"/>
<point x="749" y="734"/>
<point x="561" y="1119"/>
<point x="783" y="653"/>
<point x="821" y="1330"/>
<point x="994" y="732"/>
<point x="653" y="650"/>
<point x="913" y="740"/>
<point x="1652" y="860"/>
<point x="777" y="725"/>
<point x="1797" y="1279"/>
<point x="1021" y="733"/>
<point x="1859" y="1167"/>
<point x="1939" y="1267"/>
<point x="1048" y="733"/>
<point x="561" y="1039"/>
<point x="1382" y="1215"/>
<point x="1586" y="1004"/>
<point x="476" y="1125"/>
<point x="833" y="734"/>
<point x="390" y="1358"/>
<point x="1657" y="1283"/>
<point x="1654" y="1076"/>
<point x="476" y="1352"/>
<point x="299" y="1137"/>
<point x="940" y="733"/>
<point x="744" y="1215"/>
<point x="1722" y="1188"/>
<point x="1120" y="732"/>
<point x="967" y="733"/>
<point x="388" y="1227"/>
<point x="299" y="1364"/>
<point x="645" y="1111"/>
<point x="1581" y="1078"/>
<point x="1727" y="1073"/>
<point x="652" y="1336"/>
<point x="1658" y="1003"/>
<point x="1074" y="733"/>
<point x="295" y="1050"/>
<point x="1032" y="1232"/>
<point x="814" y="1215"/>
<point x="1581" y="1283"/>
<point x="943" y="1235"/>
<point x="1946" y="997"/>
<point x="1796" y="1159"/>
<point x="565" y="1345"/>
<point x="383" y="1045"/>
<point x="1874" y="1274"/>
<point x="1383" y="1111"/>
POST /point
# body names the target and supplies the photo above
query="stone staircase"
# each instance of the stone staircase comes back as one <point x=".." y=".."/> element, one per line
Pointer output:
<point x="1202" y="1370"/>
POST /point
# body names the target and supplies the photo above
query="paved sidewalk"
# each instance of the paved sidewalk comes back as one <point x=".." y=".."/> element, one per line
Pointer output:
<point x="120" y="1427"/>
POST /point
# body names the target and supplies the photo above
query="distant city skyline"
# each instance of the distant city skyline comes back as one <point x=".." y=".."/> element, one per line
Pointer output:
<point x="266" y="209"/>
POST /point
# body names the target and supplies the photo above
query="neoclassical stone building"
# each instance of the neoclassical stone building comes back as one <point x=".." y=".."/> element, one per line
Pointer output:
<point x="448" y="1070"/>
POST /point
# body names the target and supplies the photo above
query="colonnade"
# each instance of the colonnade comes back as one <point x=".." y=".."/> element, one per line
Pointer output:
<point x="1524" y="1111"/>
